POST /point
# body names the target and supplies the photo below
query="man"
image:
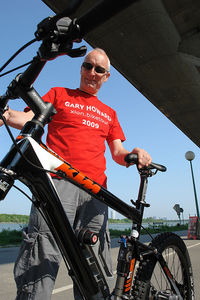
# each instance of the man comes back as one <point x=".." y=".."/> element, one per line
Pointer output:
<point x="77" y="133"/>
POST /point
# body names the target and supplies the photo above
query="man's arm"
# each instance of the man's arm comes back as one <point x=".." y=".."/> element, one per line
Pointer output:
<point x="118" y="153"/>
<point x="17" y="119"/>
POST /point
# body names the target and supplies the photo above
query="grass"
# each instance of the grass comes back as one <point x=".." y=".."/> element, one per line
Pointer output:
<point x="10" y="237"/>
<point x="116" y="233"/>
<point x="14" y="237"/>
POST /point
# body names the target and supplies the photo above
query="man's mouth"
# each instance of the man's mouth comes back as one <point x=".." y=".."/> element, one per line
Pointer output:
<point x="90" y="81"/>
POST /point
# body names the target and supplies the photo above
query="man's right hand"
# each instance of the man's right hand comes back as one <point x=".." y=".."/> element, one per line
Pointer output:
<point x="17" y="119"/>
<point x="6" y="116"/>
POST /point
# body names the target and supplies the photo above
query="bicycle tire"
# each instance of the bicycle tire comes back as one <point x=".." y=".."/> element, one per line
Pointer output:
<point x="145" y="286"/>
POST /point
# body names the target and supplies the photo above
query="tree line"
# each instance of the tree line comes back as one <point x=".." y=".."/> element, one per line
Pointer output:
<point x="14" y="218"/>
<point x="7" y="218"/>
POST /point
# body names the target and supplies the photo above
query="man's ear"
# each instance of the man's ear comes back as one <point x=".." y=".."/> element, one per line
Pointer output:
<point x="107" y="76"/>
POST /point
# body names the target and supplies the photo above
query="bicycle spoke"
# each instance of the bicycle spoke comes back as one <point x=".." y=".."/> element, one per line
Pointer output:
<point x="151" y="281"/>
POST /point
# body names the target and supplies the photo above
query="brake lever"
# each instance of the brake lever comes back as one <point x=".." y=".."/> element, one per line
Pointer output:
<point x="49" y="50"/>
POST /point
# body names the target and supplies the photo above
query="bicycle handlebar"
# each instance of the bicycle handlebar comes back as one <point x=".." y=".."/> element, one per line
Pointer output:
<point x="133" y="158"/>
<point x="87" y="22"/>
<point x="64" y="33"/>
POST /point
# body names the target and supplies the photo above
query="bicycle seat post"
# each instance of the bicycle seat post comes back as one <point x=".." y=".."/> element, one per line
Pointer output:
<point x="140" y="203"/>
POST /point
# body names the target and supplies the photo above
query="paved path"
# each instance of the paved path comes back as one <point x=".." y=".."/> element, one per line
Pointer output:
<point x="63" y="287"/>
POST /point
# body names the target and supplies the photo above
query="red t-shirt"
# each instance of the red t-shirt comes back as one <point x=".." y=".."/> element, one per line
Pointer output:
<point x="79" y="130"/>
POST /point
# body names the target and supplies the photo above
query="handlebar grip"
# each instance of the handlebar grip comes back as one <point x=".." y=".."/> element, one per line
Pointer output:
<point x="3" y="101"/>
<point x="159" y="167"/>
<point x="133" y="158"/>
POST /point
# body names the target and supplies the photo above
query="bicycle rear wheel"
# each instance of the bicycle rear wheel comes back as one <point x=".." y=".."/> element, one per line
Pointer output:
<point x="150" y="280"/>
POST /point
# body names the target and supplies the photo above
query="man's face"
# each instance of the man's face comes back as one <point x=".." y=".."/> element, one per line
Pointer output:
<point x="91" y="79"/>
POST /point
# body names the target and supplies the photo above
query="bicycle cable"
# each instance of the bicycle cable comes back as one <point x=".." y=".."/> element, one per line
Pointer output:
<point x="12" y="70"/>
<point x="20" y="190"/>
<point x="23" y="156"/>
<point x="41" y="212"/>
<point x="145" y="229"/>
<point x="17" y="52"/>
<point x="43" y="215"/>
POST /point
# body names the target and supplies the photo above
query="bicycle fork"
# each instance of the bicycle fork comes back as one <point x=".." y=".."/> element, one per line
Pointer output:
<point x="127" y="259"/>
<point x="128" y="253"/>
<point x="125" y="270"/>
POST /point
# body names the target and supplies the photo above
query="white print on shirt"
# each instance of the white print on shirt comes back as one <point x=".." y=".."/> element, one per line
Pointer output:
<point x="89" y="112"/>
<point x="97" y="118"/>
<point x="80" y="113"/>
<point x="90" y="124"/>
<point x="96" y="110"/>
<point x="88" y="108"/>
<point x="76" y="105"/>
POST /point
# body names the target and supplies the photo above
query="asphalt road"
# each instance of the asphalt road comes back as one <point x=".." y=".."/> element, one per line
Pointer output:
<point x="63" y="286"/>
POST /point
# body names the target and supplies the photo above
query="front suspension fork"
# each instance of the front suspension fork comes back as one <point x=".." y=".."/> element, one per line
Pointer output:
<point x="125" y="269"/>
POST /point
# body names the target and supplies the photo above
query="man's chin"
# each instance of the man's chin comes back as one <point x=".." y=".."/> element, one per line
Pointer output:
<point x="90" y="90"/>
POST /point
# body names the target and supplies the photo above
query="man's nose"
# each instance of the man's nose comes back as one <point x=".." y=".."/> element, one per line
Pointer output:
<point x="92" y="71"/>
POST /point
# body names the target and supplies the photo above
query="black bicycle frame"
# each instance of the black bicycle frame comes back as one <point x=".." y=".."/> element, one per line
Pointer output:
<point x="46" y="198"/>
<point x="15" y="165"/>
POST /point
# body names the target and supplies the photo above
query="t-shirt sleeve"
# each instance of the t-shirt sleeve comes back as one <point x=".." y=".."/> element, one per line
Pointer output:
<point x="115" y="131"/>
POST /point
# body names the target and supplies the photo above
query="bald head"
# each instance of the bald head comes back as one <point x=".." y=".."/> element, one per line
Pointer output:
<point x="102" y="52"/>
<point x="94" y="71"/>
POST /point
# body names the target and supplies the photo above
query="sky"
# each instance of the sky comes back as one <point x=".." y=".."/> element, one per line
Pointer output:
<point x="143" y="124"/>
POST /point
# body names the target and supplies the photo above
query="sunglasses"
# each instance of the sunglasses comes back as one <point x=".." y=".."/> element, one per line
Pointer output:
<point x="98" y="69"/>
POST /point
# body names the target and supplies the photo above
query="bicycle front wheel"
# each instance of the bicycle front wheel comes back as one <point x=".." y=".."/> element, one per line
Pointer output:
<point x="150" y="280"/>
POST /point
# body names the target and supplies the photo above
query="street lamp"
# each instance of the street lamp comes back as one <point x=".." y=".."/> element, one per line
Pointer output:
<point x="190" y="156"/>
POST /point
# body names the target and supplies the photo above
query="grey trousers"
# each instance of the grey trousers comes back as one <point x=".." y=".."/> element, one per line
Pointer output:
<point x="39" y="258"/>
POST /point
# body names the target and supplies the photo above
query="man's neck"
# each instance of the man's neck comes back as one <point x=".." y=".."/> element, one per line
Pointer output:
<point x="87" y="92"/>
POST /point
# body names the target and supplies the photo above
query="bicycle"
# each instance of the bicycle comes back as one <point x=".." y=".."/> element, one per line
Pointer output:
<point x="31" y="162"/>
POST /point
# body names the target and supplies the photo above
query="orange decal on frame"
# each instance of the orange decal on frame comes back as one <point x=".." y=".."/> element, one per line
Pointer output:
<point x="79" y="177"/>
<point x="129" y="280"/>
<point x="19" y="137"/>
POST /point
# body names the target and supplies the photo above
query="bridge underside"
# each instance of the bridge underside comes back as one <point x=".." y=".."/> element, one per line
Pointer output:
<point x="155" y="44"/>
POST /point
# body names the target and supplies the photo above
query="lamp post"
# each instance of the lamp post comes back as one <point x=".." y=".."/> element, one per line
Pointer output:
<point x="190" y="156"/>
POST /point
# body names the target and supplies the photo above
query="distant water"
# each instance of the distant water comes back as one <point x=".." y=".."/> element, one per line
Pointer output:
<point x="123" y="226"/>
<point x="117" y="226"/>
<point x="11" y="226"/>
